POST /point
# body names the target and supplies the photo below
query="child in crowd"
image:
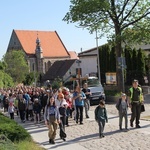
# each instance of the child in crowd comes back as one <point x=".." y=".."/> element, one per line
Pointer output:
<point x="30" y="108"/>
<point x="122" y="107"/>
<point x="36" y="110"/>
<point x="11" y="110"/>
<point x="101" y="117"/>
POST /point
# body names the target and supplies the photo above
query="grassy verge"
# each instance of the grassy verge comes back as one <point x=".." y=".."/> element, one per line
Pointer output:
<point x="28" y="145"/>
<point x="15" y="137"/>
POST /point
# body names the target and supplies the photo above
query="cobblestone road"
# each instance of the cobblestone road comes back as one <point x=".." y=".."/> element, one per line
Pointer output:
<point x="87" y="134"/>
<point x="85" y="137"/>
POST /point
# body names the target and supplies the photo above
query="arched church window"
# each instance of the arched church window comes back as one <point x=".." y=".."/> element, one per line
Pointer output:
<point x="49" y="64"/>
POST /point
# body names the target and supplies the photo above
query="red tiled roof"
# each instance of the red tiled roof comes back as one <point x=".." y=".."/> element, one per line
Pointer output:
<point x="51" y="43"/>
<point x="73" y="55"/>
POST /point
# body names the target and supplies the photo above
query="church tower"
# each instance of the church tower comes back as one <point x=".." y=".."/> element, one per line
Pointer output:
<point x="39" y="56"/>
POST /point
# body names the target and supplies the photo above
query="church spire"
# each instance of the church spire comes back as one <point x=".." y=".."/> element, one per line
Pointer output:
<point x="38" y="45"/>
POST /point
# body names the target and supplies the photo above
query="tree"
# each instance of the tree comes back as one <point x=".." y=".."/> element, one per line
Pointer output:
<point x="128" y="59"/>
<point x="17" y="66"/>
<point x="117" y="19"/>
<point x="112" y="60"/>
<point x="5" y="79"/>
<point x="141" y="68"/>
<point x="104" y="64"/>
<point x="134" y="64"/>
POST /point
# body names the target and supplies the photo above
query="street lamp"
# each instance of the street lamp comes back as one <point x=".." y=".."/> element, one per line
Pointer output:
<point x="98" y="67"/>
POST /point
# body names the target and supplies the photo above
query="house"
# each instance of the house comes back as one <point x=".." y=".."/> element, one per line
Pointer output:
<point x="89" y="59"/>
<point x="41" y="48"/>
<point x="89" y="62"/>
<point x="63" y="69"/>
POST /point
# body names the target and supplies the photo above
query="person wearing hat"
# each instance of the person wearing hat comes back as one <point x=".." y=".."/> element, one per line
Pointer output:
<point x="122" y="107"/>
<point x="135" y="100"/>
<point x="101" y="117"/>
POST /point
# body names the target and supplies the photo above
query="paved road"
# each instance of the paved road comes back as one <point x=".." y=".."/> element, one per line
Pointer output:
<point x="85" y="137"/>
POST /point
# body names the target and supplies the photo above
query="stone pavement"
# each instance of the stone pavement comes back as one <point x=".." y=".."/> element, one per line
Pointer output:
<point x="85" y="137"/>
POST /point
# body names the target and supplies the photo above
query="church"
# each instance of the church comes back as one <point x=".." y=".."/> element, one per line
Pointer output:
<point x="41" y="48"/>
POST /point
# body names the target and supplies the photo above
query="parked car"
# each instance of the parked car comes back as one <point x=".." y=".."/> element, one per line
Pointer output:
<point x="96" y="88"/>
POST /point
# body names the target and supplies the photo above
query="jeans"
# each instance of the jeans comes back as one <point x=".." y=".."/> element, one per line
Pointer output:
<point x="121" y="116"/>
<point x="101" y="124"/>
<point x="79" y="111"/>
<point x="87" y="106"/>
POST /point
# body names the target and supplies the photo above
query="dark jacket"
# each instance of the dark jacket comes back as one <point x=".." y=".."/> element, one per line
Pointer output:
<point x="119" y="107"/>
<point x="36" y="108"/>
<point x="22" y="104"/>
<point x="101" y="114"/>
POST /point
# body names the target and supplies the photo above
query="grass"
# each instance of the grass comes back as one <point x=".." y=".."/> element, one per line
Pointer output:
<point x="15" y="137"/>
<point x="26" y="145"/>
<point x="145" y="117"/>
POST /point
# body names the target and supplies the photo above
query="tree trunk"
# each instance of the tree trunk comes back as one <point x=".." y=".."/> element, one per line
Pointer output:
<point x="118" y="49"/>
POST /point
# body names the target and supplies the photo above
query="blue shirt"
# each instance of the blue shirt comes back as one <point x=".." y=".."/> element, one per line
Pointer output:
<point x="79" y="102"/>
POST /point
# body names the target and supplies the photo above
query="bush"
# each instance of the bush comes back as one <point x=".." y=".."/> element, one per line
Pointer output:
<point x="12" y="130"/>
<point x="112" y="93"/>
<point x="6" y="144"/>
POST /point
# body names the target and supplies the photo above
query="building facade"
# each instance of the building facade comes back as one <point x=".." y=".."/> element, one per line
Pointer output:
<point x="41" y="48"/>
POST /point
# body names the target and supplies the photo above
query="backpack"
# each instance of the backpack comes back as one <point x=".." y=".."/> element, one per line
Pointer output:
<point x="62" y="111"/>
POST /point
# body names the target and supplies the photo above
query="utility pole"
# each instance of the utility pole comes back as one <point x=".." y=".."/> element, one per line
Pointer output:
<point x="98" y="66"/>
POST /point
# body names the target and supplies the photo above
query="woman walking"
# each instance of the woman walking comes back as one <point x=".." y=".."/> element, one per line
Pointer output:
<point x="52" y="119"/>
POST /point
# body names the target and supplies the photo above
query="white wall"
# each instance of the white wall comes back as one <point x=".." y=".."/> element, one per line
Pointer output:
<point x="88" y="64"/>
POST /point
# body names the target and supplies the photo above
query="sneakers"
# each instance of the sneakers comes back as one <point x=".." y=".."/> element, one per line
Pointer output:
<point x="126" y="129"/>
<point x="138" y="126"/>
<point x="81" y="122"/>
<point x="87" y="116"/>
<point x="51" y="141"/>
<point x="101" y="136"/>
<point x="131" y="124"/>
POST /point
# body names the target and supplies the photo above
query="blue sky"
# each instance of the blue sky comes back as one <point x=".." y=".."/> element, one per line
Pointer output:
<point x="43" y="15"/>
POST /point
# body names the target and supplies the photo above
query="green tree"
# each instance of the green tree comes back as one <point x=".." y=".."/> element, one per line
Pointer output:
<point x="113" y="18"/>
<point x="57" y="83"/>
<point x="17" y="66"/>
<point x="29" y="78"/>
<point x="134" y="63"/>
<point x="2" y="65"/>
<point x="141" y="68"/>
<point x="128" y="59"/>
<point x="6" y="80"/>
<point x="104" y="61"/>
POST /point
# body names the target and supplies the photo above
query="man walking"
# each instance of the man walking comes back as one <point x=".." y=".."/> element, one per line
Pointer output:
<point x="87" y="92"/>
<point x="135" y="101"/>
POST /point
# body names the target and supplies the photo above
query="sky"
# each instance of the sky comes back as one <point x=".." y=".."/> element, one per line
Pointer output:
<point x="43" y="15"/>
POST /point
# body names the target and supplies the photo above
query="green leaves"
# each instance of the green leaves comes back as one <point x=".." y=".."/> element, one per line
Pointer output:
<point x="109" y="14"/>
<point x="16" y="65"/>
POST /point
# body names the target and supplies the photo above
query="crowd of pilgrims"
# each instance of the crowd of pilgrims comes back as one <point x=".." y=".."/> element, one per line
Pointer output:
<point x="53" y="106"/>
